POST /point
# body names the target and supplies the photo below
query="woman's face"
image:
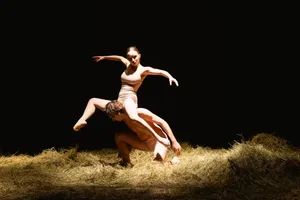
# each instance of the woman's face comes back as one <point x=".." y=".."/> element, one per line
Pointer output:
<point x="134" y="57"/>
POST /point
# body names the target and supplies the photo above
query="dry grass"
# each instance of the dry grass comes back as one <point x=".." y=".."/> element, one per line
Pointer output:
<point x="263" y="168"/>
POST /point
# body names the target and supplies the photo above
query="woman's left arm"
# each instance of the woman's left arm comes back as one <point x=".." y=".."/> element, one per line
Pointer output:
<point x="154" y="71"/>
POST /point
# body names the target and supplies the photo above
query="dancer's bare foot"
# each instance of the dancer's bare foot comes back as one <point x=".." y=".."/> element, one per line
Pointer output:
<point x="175" y="160"/>
<point x="80" y="124"/>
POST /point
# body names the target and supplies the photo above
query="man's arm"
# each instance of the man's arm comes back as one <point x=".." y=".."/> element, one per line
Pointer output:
<point x="151" y="117"/>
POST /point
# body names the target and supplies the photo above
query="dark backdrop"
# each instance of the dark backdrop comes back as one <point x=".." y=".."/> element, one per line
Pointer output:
<point x="232" y="63"/>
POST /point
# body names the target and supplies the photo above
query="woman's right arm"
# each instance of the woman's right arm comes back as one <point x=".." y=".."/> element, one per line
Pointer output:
<point x="112" y="57"/>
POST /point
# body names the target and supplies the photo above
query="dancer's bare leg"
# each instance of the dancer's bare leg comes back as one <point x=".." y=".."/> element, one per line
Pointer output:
<point x="90" y="109"/>
<point x="125" y="142"/>
<point x="130" y="107"/>
<point x="79" y="124"/>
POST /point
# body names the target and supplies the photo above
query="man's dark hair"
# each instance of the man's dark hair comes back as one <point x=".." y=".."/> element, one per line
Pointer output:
<point x="113" y="108"/>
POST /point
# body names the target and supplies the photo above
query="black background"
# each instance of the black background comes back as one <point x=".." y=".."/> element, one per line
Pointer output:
<point x="235" y="66"/>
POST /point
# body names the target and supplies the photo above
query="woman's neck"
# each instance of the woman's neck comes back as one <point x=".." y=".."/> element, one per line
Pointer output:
<point x="134" y="67"/>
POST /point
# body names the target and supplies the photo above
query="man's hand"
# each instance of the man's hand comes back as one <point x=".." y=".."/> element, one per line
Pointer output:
<point x="176" y="148"/>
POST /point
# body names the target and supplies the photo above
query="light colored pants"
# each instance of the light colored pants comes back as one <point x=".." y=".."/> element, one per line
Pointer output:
<point x="158" y="148"/>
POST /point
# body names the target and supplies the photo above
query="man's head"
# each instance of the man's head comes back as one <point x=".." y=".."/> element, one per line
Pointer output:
<point x="114" y="110"/>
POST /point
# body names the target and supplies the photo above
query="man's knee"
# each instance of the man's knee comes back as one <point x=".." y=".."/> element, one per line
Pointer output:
<point x="121" y="136"/>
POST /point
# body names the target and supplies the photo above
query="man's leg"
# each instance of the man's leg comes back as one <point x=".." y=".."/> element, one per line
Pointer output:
<point x="160" y="152"/>
<point x="125" y="141"/>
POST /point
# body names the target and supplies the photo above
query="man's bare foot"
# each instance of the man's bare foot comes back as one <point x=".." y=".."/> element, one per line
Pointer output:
<point x="80" y="124"/>
<point x="126" y="164"/>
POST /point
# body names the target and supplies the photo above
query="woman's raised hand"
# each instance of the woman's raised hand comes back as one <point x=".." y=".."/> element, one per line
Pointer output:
<point x="98" y="58"/>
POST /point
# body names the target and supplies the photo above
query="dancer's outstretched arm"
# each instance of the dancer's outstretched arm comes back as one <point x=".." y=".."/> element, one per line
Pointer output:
<point x="112" y="57"/>
<point x="154" y="71"/>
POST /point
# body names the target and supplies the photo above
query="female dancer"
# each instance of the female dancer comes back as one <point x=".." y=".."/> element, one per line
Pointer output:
<point x="131" y="80"/>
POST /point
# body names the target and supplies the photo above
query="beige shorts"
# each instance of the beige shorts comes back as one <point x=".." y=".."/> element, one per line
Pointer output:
<point x="123" y="95"/>
<point x="158" y="148"/>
